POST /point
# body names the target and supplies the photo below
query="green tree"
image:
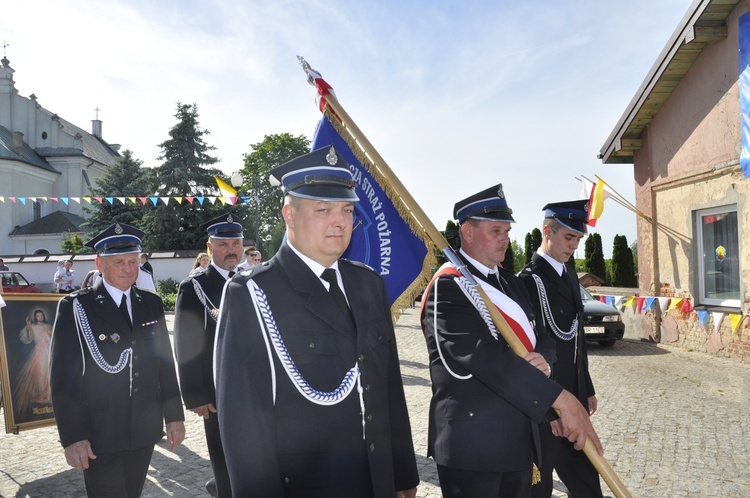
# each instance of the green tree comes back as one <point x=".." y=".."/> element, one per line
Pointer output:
<point x="514" y="257"/>
<point x="536" y="241"/>
<point x="72" y="243"/>
<point x="126" y="178"/>
<point x="184" y="172"/>
<point x="634" y="251"/>
<point x="595" y="256"/>
<point x="623" y="272"/>
<point x="528" y="252"/>
<point x="265" y="201"/>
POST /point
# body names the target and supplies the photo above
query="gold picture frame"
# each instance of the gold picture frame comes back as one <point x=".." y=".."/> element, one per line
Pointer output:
<point x="26" y="323"/>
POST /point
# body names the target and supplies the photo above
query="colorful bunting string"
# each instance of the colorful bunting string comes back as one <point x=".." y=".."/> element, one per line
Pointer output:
<point x="134" y="200"/>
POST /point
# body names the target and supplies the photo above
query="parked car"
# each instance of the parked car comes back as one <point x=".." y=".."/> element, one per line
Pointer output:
<point x="15" y="282"/>
<point x="601" y="322"/>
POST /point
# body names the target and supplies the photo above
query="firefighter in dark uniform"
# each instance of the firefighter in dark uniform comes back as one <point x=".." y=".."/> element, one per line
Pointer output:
<point x="112" y="374"/>
<point x="308" y="385"/>
<point x="556" y="297"/>
<point x="196" y="312"/>
<point x="487" y="402"/>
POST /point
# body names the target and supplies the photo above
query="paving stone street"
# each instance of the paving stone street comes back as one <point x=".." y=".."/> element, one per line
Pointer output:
<point x="673" y="423"/>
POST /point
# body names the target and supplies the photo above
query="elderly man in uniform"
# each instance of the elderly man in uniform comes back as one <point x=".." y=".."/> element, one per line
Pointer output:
<point x="309" y="391"/>
<point x="487" y="401"/>
<point x="556" y="300"/>
<point x="196" y="312"/>
<point x="112" y="374"/>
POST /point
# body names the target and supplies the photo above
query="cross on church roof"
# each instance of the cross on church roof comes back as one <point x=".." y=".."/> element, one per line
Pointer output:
<point x="97" y="112"/>
<point x="5" y="48"/>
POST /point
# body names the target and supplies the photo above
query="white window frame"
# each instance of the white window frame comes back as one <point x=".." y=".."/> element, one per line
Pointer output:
<point x="700" y="251"/>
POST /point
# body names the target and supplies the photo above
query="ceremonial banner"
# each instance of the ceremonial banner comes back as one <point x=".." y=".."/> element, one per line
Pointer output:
<point x="744" y="82"/>
<point x="381" y="238"/>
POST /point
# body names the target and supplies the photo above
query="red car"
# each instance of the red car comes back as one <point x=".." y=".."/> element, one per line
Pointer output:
<point x="15" y="282"/>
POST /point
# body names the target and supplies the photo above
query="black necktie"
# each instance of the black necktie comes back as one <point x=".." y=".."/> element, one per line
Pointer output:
<point x="124" y="309"/>
<point x="329" y="275"/>
<point x="231" y="274"/>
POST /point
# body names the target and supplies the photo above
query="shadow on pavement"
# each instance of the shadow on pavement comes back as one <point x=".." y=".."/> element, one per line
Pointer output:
<point x="626" y="347"/>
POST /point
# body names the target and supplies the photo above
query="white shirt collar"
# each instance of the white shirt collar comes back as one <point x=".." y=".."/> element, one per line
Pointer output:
<point x="116" y="293"/>
<point x="316" y="267"/>
<point x="486" y="270"/>
<point x="559" y="267"/>
<point x="224" y="273"/>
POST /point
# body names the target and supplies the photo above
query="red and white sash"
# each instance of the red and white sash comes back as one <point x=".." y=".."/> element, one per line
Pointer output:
<point x="509" y="309"/>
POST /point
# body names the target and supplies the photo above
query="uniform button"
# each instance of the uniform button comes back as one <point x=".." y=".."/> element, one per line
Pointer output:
<point x="367" y="388"/>
<point x="312" y="345"/>
<point x="132" y="342"/>
<point x="286" y="480"/>
<point x="535" y="403"/>
<point x="372" y="446"/>
<point x="380" y="337"/>
<point x="135" y="389"/>
<point x="135" y="357"/>
<point x="361" y="358"/>
<point x="471" y="414"/>
<point x="369" y="417"/>
<point x="136" y="374"/>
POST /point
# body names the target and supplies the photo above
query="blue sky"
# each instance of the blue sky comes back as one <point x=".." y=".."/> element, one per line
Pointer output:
<point x="456" y="96"/>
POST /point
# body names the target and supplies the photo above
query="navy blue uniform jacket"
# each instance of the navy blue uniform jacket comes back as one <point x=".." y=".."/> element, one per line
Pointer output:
<point x="565" y="305"/>
<point x="97" y="405"/>
<point x="482" y="423"/>
<point x="298" y="448"/>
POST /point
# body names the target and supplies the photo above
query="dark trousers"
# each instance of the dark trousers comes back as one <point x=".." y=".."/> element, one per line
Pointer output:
<point x="216" y="453"/>
<point x="118" y="475"/>
<point x="457" y="483"/>
<point x="573" y="468"/>
<point x="577" y="472"/>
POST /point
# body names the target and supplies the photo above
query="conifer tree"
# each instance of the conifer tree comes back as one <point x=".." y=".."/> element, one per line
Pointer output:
<point x="126" y="178"/>
<point x="595" y="257"/>
<point x="528" y="252"/>
<point x="184" y="172"/>
<point x="623" y="272"/>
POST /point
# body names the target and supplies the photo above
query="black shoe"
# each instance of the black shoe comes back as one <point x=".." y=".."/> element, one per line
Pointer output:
<point x="211" y="487"/>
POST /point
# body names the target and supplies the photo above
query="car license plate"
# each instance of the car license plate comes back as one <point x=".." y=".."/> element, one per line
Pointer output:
<point x="593" y="330"/>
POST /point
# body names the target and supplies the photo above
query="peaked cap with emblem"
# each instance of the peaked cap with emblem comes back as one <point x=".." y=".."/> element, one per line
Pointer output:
<point x="570" y="214"/>
<point x="488" y="204"/>
<point x="226" y="226"/>
<point x="119" y="238"/>
<point x="321" y="175"/>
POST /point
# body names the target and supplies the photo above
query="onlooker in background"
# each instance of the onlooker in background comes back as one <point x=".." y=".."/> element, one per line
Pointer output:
<point x="59" y="274"/>
<point x="3" y="266"/>
<point x="64" y="277"/>
<point x="201" y="263"/>
<point x="146" y="266"/>
<point x="250" y="252"/>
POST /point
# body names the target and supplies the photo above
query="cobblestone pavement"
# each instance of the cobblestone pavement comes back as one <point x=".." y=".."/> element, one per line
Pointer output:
<point x="673" y="424"/>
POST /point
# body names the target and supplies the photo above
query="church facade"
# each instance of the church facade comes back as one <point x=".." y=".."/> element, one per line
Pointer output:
<point x="47" y="165"/>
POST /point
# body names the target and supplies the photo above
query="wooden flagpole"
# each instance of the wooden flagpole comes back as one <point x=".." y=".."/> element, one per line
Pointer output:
<point x="377" y="162"/>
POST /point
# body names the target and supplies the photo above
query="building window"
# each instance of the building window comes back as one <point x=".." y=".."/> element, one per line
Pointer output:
<point x="37" y="210"/>
<point x="718" y="246"/>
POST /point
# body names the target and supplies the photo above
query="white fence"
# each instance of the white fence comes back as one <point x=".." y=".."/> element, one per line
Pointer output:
<point x="40" y="270"/>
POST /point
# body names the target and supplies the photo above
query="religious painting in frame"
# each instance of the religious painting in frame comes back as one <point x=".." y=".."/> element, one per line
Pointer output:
<point x="25" y="336"/>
